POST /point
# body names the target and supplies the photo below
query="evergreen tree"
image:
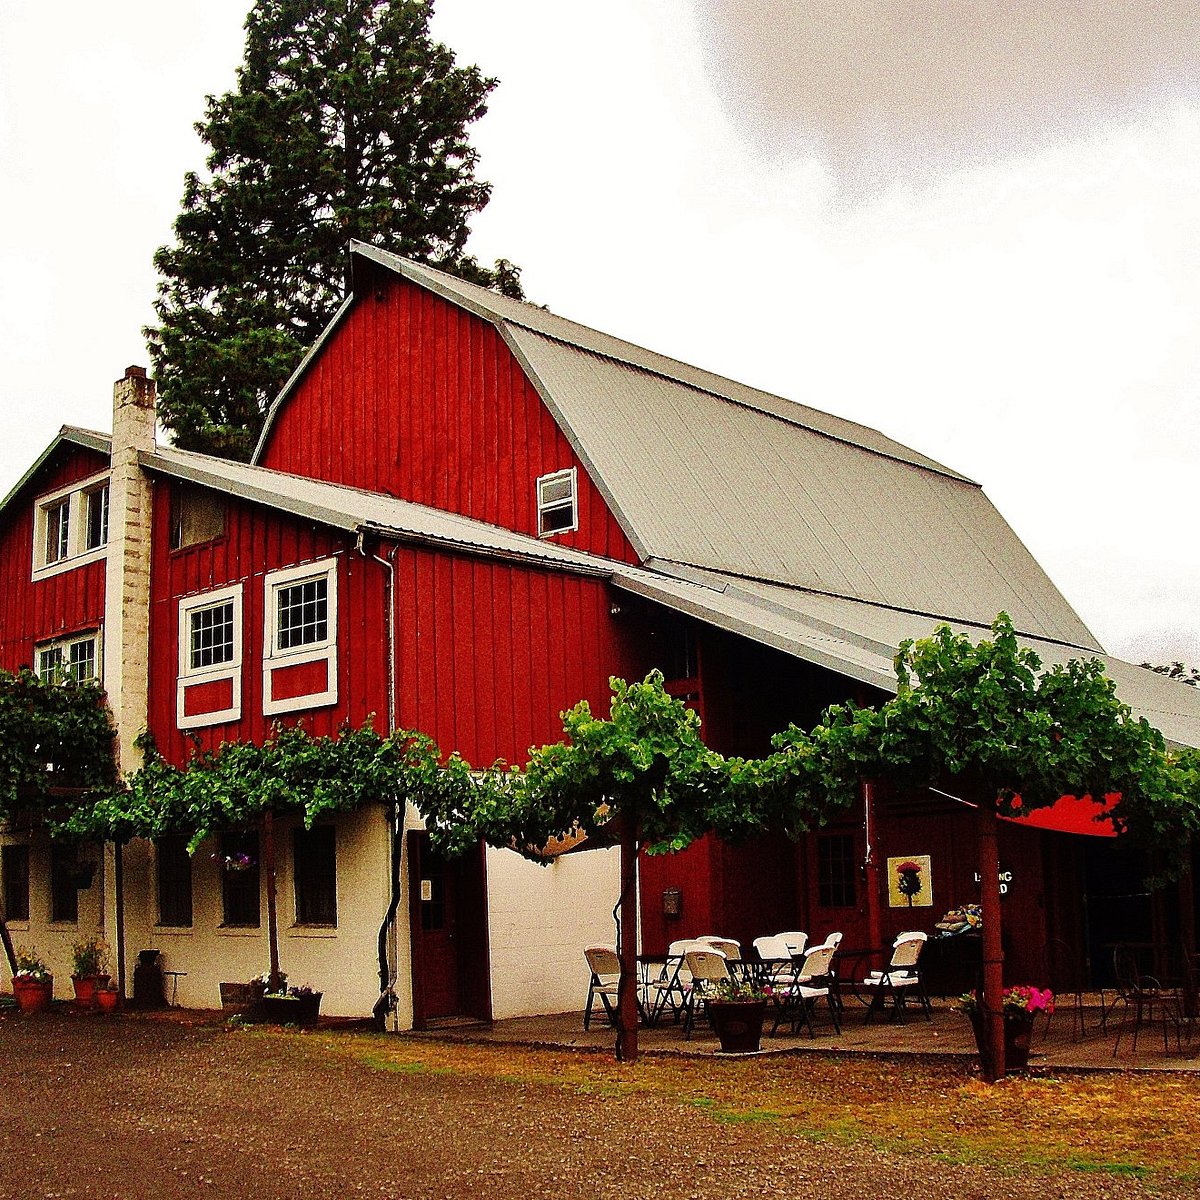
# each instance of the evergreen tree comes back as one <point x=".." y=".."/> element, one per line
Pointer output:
<point x="348" y="121"/>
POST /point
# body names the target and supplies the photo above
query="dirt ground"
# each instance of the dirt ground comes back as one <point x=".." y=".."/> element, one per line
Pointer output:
<point x="133" y="1106"/>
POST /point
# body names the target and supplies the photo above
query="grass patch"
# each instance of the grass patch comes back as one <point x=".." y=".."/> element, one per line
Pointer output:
<point x="1126" y="1126"/>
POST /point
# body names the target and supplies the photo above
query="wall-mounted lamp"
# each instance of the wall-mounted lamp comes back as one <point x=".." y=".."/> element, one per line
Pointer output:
<point x="672" y="903"/>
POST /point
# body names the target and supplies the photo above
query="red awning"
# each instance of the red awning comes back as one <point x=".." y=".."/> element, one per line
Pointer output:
<point x="1074" y="814"/>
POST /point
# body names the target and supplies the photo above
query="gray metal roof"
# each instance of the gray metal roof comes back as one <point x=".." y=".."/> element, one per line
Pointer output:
<point x="704" y="471"/>
<point x="71" y="434"/>
<point x="861" y="640"/>
<point x="352" y="510"/>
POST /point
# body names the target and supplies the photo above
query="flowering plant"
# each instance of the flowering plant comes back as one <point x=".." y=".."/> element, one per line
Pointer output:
<point x="1017" y="1001"/>
<point x="264" y="981"/>
<point x="31" y="965"/>
<point x="90" y="956"/>
<point x="234" y="862"/>
<point x="737" y="989"/>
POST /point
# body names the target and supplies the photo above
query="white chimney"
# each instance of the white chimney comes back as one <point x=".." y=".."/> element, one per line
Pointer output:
<point x="127" y="575"/>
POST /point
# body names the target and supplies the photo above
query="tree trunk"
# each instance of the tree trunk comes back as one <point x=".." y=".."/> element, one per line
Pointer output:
<point x="272" y="909"/>
<point x="991" y="1002"/>
<point x="627" y="1009"/>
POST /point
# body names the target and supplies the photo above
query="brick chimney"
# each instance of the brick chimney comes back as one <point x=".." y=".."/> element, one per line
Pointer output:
<point x="127" y="575"/>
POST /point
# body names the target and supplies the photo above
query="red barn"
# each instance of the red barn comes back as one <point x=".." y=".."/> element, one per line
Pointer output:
<point x="464" y="514"/>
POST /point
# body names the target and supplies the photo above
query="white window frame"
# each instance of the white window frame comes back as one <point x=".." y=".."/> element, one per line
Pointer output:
<point x="543" y="507"/>
<point x="64" y="644"/>
<point x="326" y="649"/>
<point x="190" y="676"/>
<point x="75" y="496"/>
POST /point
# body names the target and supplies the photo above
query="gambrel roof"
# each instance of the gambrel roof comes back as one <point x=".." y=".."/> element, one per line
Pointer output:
<point x="704" y="472"/>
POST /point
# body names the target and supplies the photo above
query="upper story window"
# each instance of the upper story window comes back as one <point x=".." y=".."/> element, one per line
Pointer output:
<point x="208" y="688"/>
<point x="197" y="515"/>
<point x="558" y="508"/>
<point x="70" y="526"/>
<point x="300" y="637"/>
<point x="75" y="658"/>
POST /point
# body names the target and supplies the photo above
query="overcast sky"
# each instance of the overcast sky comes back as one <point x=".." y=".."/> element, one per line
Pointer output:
<point x="971" y="225"/>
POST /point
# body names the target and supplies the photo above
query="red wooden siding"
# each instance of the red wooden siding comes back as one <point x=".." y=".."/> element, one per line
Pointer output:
<point x="71" y="601"/>
<point x="256" y="542"/>
<point x="414" y="397"/>
<point x="489" y="654"/>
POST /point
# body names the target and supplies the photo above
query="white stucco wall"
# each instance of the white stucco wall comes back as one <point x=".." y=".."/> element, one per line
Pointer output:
<point x="540" y="919"/>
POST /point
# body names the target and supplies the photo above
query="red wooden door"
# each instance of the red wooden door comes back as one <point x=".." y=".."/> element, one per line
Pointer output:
<point x="436" y="948"/>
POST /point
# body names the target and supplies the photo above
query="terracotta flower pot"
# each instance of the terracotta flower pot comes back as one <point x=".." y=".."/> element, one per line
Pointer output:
<point x="32" y="995"/>
<point x="85" y="990"/>
<point x="107" y="999"/>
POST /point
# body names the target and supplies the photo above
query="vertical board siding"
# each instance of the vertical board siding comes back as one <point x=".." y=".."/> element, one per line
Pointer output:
<point x="486" y="663"/>
<point x="256" y="542"/>
<point x="71" y="601"/>
<point x="419" y="399"/>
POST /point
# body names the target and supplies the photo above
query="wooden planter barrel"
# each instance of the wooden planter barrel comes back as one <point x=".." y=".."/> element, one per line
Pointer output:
<point x="738" y="1024"/>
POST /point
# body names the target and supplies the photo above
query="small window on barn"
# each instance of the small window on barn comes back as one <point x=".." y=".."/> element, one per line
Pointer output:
<point x="76" y="658"/>
<point x="300" y="638"/>
<point x="64" y="895"/>
<point x="14" y="869"/>
<point x="70" y="526"/>
<point x="208" y="688"/>
<point x="314" y="861"/>
<point x="197" y="515"/>
<point x="558" y="510"/>
<point x="174" y="882"/>
<point x="836" y="870"/>
<point x="238" y="860"/>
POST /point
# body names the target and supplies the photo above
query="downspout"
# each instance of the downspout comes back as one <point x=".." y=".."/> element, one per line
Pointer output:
<point x="387" y="970"/>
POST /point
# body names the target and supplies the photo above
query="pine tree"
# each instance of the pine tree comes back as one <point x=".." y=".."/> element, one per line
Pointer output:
<point x="348" y="121"/>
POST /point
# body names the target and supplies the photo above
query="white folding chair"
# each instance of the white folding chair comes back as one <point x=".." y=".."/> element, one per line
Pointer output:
<point x="707" y="968"/>
<point x="814" y="979"/>
<point x="901" y="976"/>
<point x="796" y="940"/>
<point x="605" y="967"/>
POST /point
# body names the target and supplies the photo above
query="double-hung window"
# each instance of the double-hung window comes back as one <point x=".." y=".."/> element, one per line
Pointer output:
<point x="14" y="868"/>
<point x="314" y="862"/>
<point x="70" y="526"/>
<point x="557" y="501"/>
<point x="209" y="685"/>
<point x="300" y="638"/>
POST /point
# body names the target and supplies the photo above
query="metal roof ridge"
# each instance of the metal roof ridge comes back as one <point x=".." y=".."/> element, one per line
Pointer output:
<point x="696" y="573"/>
<point x="478" y="300"/>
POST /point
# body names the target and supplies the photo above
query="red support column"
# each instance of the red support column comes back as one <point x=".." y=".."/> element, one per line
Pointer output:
<point x="992" y="1000"/>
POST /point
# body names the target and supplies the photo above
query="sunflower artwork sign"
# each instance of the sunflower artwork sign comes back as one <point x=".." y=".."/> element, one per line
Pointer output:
<point x="910" y="882"/>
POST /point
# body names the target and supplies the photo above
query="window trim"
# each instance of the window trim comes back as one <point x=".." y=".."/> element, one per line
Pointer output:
<point x="188" y="676"/>
<point x="77" y="555"/>
<point x="571" y="474"/>
<point x="325" y="649"/>
<point x="64" y="644"/>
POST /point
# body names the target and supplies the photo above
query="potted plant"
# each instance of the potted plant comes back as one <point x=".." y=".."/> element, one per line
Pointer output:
<point x="1020" y="1006"/>
<point x="89" y="968"/>
<point x="33" y="985"/>
<point x="108" y="997"/>
<point x="736" y="1009"/>
<point x="286" y="1006"/>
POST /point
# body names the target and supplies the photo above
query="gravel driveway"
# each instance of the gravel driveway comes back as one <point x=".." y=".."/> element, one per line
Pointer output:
<point x="130" y="1107"/>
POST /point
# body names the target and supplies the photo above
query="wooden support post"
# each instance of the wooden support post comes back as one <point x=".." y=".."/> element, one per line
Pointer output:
<point x="272" y="912"/>
<point x="991" y="1003"/>
<point x="871" y="866"/>
<point x="627" y="1009"/>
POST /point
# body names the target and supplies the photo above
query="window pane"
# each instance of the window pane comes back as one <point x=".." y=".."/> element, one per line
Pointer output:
<point x="314" y="857"/>
<point x="58" y="531"/>
<point x="302" y="611"/>
<point x="14" y="866"/>
<point x="211" y="636"/>
<point x="174" y="882"/>
<point x="97" y="518"/>
<point x="238" y="860"/>
<point x="50" y="663"/>
<point x="64" y="896"/>
<point x="83" y="660"/>
<point x="836" y="870"/>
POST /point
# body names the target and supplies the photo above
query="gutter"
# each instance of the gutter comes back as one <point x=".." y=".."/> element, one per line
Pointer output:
<point x="386" y="937"/>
